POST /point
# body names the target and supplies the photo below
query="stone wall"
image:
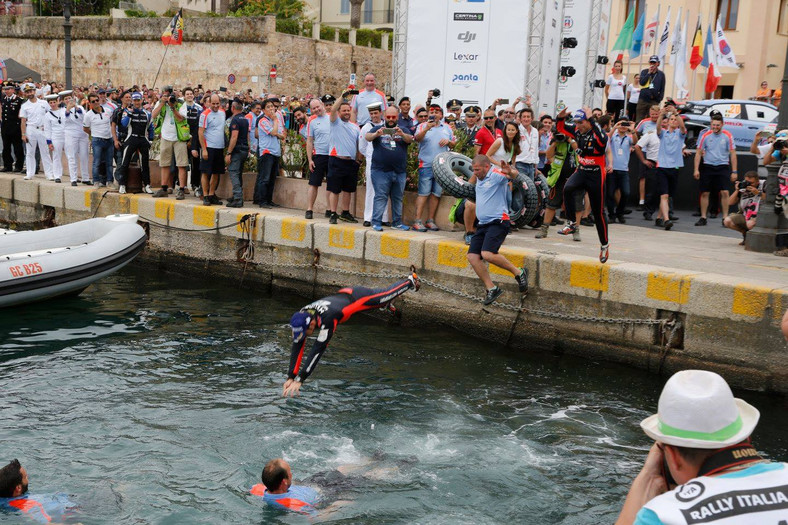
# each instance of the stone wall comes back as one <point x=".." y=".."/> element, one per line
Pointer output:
<point x="129" y="51"/>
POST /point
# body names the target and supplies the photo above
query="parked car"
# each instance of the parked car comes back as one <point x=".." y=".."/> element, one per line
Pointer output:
<point x="743" y="118"/>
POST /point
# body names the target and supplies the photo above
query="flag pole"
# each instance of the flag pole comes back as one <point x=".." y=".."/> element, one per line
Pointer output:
<point x="166" y="48"/>
<point x="694" y="71"/>
<point x="708" y="69"/>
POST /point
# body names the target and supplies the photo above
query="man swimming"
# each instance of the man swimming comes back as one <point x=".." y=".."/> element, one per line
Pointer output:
<point x="327" y="314"/>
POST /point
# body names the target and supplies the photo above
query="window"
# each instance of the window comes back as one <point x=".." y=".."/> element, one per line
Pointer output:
<point x="729" y="11"/>
<point x="637" y="5"/>
<point x="344" y="7"/>
<point x="761" y="113"/>
<point x="368" y="12"/>
<point x="782" y="24"/>
<point x="728" y="110"/>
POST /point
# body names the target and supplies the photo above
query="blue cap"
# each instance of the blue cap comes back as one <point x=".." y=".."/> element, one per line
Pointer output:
<point x="136" y="96"/>
<point x="579" y="115"/>
<point x="299" y="323"/>
<point x="653" y="58"/>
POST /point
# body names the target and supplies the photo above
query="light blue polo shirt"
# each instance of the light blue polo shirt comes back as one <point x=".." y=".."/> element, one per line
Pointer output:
<point x="491" y="197"/>
<point x="343" y="141"/>
<point x="716" y="147"/>
<point x="365" y="98"/>
<point x="646" y="126"/>
<point x="213" y="124"/>
<point x="620" y="148"/>
<point x="319" y="128"/>
<point x="267" y="143"/>
<point x="429" y="147"/>
<point x="671" y="144"/>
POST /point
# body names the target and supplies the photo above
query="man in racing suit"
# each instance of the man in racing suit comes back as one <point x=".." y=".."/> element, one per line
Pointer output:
<point x="590" y="141"/>
<point x="326" y="314"/>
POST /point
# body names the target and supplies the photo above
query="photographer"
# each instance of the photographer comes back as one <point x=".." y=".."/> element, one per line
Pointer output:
<point x="561" y="158"/>
<point x="170" y="116"/>
<point x="778" y="152"/>
<point x="747" y="196"/>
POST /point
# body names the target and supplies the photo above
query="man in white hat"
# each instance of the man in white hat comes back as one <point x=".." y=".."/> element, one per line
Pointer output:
<point x="703" y="468"/>
<point x="76" y="142"/>
<point x="32" y="114"/>
<point x="55" y="134"/>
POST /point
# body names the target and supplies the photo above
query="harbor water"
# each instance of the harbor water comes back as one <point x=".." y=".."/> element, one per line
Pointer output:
<point x="156" y="399"/>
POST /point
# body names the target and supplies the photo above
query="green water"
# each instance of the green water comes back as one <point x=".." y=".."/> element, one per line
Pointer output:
<point x="155" y="400"/>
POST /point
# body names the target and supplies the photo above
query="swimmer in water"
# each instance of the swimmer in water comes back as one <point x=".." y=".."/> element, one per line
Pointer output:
<point x="277" y="489"/>
<point x="326" y="314"/>
<point x="14" y="496"/>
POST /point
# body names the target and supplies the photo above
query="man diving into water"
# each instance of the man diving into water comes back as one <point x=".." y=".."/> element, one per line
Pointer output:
<point x="326" y="314"/>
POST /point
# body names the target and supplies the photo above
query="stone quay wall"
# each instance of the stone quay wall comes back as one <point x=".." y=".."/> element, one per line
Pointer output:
<point x="129" y="50"/>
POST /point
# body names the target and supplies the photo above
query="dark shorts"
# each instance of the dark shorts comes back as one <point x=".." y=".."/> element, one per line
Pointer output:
<point x="714" y="178"/>
<point x="342" y="175"/>
<point x="489" y="237"/>
<point x="321" y="168"/>
<point x="214" y="164"/>
<point x="667" y="181"/>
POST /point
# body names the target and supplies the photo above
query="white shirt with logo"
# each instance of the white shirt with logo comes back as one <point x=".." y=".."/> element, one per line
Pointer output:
<point x="529" y="145"/>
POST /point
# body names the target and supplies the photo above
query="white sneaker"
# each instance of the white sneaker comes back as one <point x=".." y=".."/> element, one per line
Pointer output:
<point x="148" y="189"/>
<point x="28" y="178"/>
<point x="121" y="189"/>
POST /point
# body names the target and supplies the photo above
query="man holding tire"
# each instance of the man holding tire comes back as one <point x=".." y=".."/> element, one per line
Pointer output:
<point x="492" y="211"/>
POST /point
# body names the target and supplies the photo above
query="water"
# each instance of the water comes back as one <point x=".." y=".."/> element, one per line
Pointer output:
<point x="155" y="400"/>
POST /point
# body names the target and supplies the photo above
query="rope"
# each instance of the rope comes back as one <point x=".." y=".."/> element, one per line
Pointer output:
<point x="187" y="230"/>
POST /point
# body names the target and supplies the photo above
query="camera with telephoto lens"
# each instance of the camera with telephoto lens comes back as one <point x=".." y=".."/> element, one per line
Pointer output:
<point x="436" y="93"/>
<point x="742" y="185"/>
<point x="172" y="99"/>
<point x="559" y="137"/>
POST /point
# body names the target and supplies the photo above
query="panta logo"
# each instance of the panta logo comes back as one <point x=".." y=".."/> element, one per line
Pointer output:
<point x="568" y="22"/>
<point x="466" y="37"/>
<point x="464" y="79"/>
<point x="466" y="57"/>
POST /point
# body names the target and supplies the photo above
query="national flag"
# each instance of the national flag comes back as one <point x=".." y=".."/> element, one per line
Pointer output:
<point x="680" y="62"/>
<point x="662" y="49"/>
<point x="709" y="44"/>
<point x="724" y="52"/>
<point x="624" y="40"/>
<point x="651" y="30"/>
<point x="637" y="37"/>
<point x="697" y="47"/>
<point x="173" y="35"/>
<point x="713" y="75"/>
<point x="674" y="44"/>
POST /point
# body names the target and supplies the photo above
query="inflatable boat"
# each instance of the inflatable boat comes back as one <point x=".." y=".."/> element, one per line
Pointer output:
<point x="65" y="260"/>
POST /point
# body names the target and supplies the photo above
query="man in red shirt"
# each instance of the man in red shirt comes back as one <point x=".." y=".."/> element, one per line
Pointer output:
<point x="487" y="134"/>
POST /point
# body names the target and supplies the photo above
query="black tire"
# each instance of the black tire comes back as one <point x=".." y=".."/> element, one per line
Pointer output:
<point x="542" y="193"/>
<point x="524" y="201"/>
<point x="452" y="171"/>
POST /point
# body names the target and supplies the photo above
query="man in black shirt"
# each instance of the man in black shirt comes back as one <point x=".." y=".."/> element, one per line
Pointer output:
<point x="652" y="88"/>
<point x="139" y="133"/>
<point x="11" y="127"/>
<point x="237" y="152"/>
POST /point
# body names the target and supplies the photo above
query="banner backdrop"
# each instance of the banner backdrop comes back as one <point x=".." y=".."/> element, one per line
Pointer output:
<point x="551" y="57"/>
<point x="450" y="46"/>
<point x="571" y="90"/>
<point x="602" y="71"/>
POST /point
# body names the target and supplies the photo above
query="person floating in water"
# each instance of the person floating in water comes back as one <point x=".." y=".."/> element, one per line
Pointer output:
<point x="277" y="489"/>
<point x="326" y="314"/>
<point x="14" y="497"/>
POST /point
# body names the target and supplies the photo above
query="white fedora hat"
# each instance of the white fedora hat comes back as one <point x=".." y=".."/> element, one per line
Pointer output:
<point x="697" y="410"/>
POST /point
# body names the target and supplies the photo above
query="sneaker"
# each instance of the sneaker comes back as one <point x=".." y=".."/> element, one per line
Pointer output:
<point x="522" y="280"/>
<point x="160" y="193"/>
<point x="86" y="182"/>
<point x="543" y="229"/>
<point x="121" y="189"/>
<point x="386" y="224"/>
<point x="557" y="222"/>
<point x="348" y="217"/>
<point x="603" y="253"/>
<point x="58" y="181"/>
<point x="402" y="227"/>
<point x="659" y="222"/>
<point x="333" y="218"/>
<point x="169" y="191"/>
<point x="308" y="214"/>
<point x="215" y="200"/>
<point x="272" y="204"/>
<point x="647" y="216"/>
<point x="701" y="222"/>
<point x="415" y="281"/>
<point x="468" y="237"/>
<point x="367" y="224"/>
<point x="668" y="224"/>
<point x="95" y="184"/>
<point x="234" y="204"/>
<point x="179" y="194"/>
<point x="430" y="225"/>
<point x="328" y="214"/>
<point x="206" y="201"/>
<point x="418" y="227"/>
<point x="377" y="228"/>
<point x="621" y="219"/>
<point x="492" y="294"/>
<point x="148" y="189"/>
<point x="75" y="183"/>
<point x="570" y="228"/>
<point x="198" y="192"/>
<point x="587" y="221"/>
<point x="576" y="235"/>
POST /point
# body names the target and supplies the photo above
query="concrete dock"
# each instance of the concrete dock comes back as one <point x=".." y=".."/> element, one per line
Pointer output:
<point x="664" y="301"/>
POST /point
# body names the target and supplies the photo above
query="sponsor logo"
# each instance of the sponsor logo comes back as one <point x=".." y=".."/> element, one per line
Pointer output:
<point x="466" y="57"/>
<point x="690" y="491"/>
<point x="568" y="22"/>
<point x="468" y="17"/>
<point x="562" y="80"/>
<point x="466" y="37"/>
<point x="464" y="80"/>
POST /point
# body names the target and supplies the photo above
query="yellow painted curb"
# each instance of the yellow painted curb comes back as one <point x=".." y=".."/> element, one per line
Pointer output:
<point x="392" y="246"/>
<point x="204" y="216"/>
<point x="750" y="300"/>
<point x="341" y="237"/>
<point x="293" y="229"/>
<point x="589" y="275"/>
<point x="452" y="254"/>
<point x="670" y="287"/>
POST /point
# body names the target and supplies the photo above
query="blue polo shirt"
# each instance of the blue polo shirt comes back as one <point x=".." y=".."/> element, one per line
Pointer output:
<point x="319" y="128"/>
<point x="343" y="141"/>
<point x="365" y="98"/>
<point x="267" y="143"/>
<point x="491" y="196"/>
<point x="429" y="146"/>
<point x="646" y="126"/>
<point x="389" y="153"/>
<point x="213" y="124"/>
<point x="716" y="147"/>
<point x="671" y="144"/>
<point x="620" y="148"/>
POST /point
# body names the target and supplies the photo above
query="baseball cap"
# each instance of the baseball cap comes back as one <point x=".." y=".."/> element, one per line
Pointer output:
<point x="715" y="114"/>
<point x="579" y="115"/>
<point x="653" y="58"/>
<point x="299" y="323"/>
<point x="136" y="96"/>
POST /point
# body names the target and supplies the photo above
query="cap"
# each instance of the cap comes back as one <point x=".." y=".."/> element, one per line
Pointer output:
<point x="28" y="87"/>
<point x="65" y="93"/>
<point x="453" y="103"/>
<point x="8" y="84"/>
<point x="328" y="99"/>
<point x="51" y="97"/>
<point x="451" y="118"/>
<point x="136" y="96"/>
<point x="652" y="59"/>
<point x="715" y="114"/>
<point x="299" y="324"/>
<point x="374" y="105"/>
<point x="579" y="115"/>
<point x="472" y="110"/>
<point x="436" y="106"/>
<point x="102" y="91"/>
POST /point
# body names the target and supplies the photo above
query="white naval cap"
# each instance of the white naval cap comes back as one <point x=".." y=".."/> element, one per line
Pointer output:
<point x="65" y="93"/>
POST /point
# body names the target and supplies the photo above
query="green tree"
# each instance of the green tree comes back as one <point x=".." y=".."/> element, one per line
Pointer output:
<point x="280" y="8"/>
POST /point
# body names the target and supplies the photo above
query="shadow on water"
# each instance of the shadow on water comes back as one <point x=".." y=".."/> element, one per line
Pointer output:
<point x="154" y="399"/>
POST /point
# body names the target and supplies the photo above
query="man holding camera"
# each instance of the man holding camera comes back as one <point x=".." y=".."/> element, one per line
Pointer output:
<point x="718" y="152"/>
<point x="172" y="125"/>
<point x="748" y="195"/>
<point x="362" y="100"/>
<point x="618" y="152"/>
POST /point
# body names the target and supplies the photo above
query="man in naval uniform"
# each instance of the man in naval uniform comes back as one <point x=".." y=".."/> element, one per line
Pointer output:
<point x="32" y="114"/>
<point x="11" y="128"/>
<point x="55" y="134"/>
<point x="76" y="140"/>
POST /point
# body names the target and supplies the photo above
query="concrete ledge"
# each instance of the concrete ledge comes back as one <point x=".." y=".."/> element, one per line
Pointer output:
<point x="339" y="239"/>
<point x="228" y="216"/>
<point x="51" y="195"/>
<point x="395" y="248"/>
<point x="288" y="231"/>
<point x="26" y="191"/>
<point x="7" y="185"/>
<point x="77" y="198"/>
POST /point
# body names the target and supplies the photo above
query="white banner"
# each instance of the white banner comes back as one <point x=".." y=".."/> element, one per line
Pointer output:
<point x="551" y="58"/>
<point x="571" y="90"/>
<point x="602" y="71"/>
<point x="450" y="46"/>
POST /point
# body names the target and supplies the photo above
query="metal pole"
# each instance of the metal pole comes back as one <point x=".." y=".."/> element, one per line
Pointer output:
<point x="67" y="25"/>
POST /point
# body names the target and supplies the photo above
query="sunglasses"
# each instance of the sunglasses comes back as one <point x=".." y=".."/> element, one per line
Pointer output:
<point x="489" y="118"/>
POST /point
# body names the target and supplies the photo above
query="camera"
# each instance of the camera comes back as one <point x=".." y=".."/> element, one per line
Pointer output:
<point x="624" y="123"/>
<point x="559" y="137"/>
<point x="742" y="185"/>
<point x="436" y="93"/>
<point x="172" y="99"/>
<point x="351" y="92"/>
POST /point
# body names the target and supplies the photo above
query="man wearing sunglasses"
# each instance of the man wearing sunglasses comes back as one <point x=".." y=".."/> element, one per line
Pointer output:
<point x="487" y="133"/>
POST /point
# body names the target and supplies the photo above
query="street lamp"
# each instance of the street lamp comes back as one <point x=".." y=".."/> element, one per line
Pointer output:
<point x="67" y="25"/>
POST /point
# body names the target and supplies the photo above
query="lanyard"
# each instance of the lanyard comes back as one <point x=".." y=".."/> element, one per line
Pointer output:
<point x="58" y="118"/>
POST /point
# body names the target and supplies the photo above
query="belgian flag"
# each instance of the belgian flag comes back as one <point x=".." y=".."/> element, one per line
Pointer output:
<point x="173" y="36"/>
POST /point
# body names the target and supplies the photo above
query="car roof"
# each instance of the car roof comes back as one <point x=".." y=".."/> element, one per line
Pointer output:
<point x="710" y="102"/>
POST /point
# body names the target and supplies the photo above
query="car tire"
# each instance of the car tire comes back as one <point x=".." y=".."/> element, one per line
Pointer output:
<point x="452" y="171"/>
<point x="525" y="201"/>
<point x="542" y="192"/>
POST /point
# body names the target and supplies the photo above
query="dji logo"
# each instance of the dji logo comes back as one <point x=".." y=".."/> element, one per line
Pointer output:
<point x="467" y="37"/>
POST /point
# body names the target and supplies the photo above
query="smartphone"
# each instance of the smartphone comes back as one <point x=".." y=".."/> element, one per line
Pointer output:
<point x="431" y="118"/>
<point x="223" y="89"/>
<point x="352" y="92"/>
<point x="389" y="131"/>
<point x="503" y="100"/>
